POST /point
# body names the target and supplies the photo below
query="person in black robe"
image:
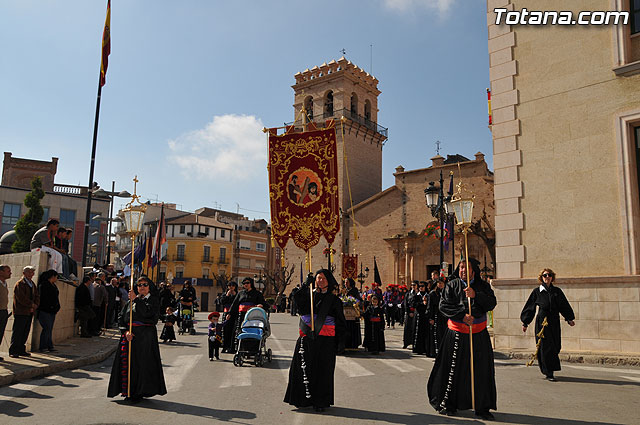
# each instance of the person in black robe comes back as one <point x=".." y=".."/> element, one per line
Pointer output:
<point x="420" y="320"/>
<point x="449" y="385"/>
<point x="374" y="321"/>
<point x="292" y="301"/>
<point x="354" y="333"/>
<point x="409" y="312"/>
<point x="168" y="333"/>
<point x="228" y="319"/>
<point x="437" y="322"/>
<point x="314" y="358"/>
<point x="246" y="299"/>
<point x="147" y="378"/>
<point x="551" y="302"/>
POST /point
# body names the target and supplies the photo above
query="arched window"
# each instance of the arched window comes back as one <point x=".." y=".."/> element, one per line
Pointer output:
<point x="328" y="104"/>
<point x="354" y="104"/>
<point x="367" y="110"/>
<point x="308" y="106"/>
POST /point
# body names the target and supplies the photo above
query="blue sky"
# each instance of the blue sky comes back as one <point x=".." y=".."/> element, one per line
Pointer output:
<point x="190" y="85"/>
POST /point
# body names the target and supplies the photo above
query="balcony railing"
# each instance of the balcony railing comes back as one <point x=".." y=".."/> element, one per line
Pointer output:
<point x="69" y="189"/>
<point x="179" y="257"/>
<point x="347" y="113"/>
<point x="207" y="259"/>
<point x="223" y="260"/>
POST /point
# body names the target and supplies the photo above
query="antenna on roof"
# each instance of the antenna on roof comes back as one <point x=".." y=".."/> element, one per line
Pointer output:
<point x="371" y="59"/>
<point x="343" y="51"/>
<point x="438" y="147"/>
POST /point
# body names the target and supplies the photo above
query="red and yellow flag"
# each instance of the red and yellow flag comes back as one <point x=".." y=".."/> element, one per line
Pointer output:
<point x="350" y="266"/>
<point x="106" y="46"/>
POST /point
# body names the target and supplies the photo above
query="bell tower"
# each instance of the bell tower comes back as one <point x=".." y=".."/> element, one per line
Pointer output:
<point x="331" y="91"/>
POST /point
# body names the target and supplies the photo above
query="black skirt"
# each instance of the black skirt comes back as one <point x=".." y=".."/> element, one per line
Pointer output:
<point x="147" y="378"/>
<point x="354" y="336"/>
<point x="449" y="384"/>
<point x="168" y="333"/>
<point x="311" y="372"/>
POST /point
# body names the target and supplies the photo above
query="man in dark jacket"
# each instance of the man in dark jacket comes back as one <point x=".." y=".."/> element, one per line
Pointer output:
<point x="25" y="303"/>
<point x="83" y="306"/>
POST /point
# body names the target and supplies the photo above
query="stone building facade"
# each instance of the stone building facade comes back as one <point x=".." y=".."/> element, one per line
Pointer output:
<point x="391" y="224"/>
<point x="566" y="119"/>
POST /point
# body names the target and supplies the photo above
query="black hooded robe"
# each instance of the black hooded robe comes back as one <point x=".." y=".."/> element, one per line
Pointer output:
<point x="314" y="358"/>
<point x="409" y="310"/>
<point x="354" y="333"/>
<point x="551" y="303"/>
<point x="147" y="378"/>
<point x="374" y="322"/>
<point x="420" y="324"/>
<point x="439" y="327"/>
<point x="449" y="385"/>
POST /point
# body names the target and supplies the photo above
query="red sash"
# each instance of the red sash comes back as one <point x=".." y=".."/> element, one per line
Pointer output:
<point x="464" y="328"/>
<point x="375" y="319"/>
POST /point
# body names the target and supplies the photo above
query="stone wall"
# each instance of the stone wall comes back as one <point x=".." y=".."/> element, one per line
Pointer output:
<point x="64" y="325"/>
<point x="607" y="311"/>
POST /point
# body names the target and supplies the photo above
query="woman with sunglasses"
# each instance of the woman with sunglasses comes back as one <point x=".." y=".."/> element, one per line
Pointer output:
<point x="146" y="375"/>
<point x="551" y="302"/>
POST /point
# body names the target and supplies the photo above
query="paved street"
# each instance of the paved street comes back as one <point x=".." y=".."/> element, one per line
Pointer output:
<point x="387" y="389"/>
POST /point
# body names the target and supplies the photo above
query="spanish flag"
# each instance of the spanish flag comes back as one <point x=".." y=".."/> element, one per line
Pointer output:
<point x="106" y="45"/>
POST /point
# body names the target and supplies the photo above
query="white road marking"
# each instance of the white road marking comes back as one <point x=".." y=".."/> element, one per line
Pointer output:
<point x="175" y="375"/>
<point x="400" y="365"/>
<point x="280" y="351"/>
<point x="238" y="377"/>
<point x="351" y="368"/>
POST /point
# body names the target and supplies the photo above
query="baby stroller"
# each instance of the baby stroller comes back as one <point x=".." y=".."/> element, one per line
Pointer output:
<point x="186" y="320"/>
<point x="253" y="337"/>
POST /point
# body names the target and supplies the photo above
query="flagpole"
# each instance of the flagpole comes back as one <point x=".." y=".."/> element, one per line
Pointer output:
<point x="87" y="216"/>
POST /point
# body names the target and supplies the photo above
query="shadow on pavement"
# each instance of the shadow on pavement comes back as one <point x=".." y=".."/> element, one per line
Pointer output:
<point x="11" y="408"/>
<point x="77" y="374"/>
<point x="577" y="380"/>
<point x="189" y="409"/>
<point x="57" y="383"/>
<point x="17" y="393"/>
<point x="515" y="418"/>
<point x="393" y="418"/>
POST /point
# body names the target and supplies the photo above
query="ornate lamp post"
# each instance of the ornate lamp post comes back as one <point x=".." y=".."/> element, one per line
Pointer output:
<point x="440" y="208"/>
<point x="133" y="222"/>
<point x="362" y="276"/>
<point x="462" y="205"/>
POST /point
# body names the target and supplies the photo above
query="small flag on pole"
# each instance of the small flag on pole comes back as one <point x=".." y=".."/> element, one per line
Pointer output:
<point x="106" y="46"/>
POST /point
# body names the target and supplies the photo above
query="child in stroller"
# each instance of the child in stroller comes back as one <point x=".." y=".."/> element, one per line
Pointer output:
<point x="253" y="337"/>
<point x="186" y="319"/>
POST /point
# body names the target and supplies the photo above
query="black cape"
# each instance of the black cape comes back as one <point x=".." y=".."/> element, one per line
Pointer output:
<point x="449" y="384"/>
<point x="314" y="358"/>
<point x="409" y="314"/>
<point x="551" y="303"/>
<point x="147" y="378"/>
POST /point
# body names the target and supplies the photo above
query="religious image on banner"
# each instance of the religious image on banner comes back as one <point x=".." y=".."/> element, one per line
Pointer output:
<point x="303" y="186"/>
<point x="350" y="266"/>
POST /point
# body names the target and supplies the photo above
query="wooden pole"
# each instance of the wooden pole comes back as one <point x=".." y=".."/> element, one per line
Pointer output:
<point x="133" y="251"/>
<point x="466" y="259"/>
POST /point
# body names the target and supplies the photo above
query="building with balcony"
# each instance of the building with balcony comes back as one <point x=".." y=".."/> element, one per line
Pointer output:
<point x="67" y="203"/>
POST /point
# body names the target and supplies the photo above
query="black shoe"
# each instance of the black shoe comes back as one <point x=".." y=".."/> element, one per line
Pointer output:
<point x="210" y="359"/>
<point x="1" y="359"/>
<point x="551" y="378"/>
<point x="404" y="347"/>
<point x="217" y="357"/>
<point x="25" y="354"/>
<point x="447" y="412"/>
<point x="486" y="415"/>
<point x="15" y="356"/>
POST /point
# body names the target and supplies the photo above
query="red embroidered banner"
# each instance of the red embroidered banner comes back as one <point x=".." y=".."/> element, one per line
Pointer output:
<point x="350" y="266"/>
<point x="303" y="187"/>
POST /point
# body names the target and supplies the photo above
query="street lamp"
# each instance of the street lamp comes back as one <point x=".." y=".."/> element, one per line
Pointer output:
<point x="103" y="193"/>
<point x="462" y="205"/>
<point x="363" y="276"/>
<point x="133" y="222"/>
<point x="440" y="208"/>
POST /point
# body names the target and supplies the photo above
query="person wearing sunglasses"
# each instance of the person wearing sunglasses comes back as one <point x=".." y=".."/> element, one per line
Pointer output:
<point x="147" y="378"/>
<point x="245" y="300"/>
<point x="551" y="302"/>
